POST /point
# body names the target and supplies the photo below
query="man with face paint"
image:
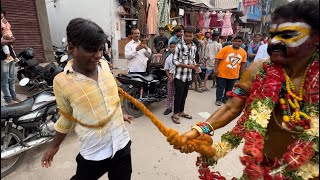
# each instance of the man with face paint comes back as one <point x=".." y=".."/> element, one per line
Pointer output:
<point x="294" y="61"/>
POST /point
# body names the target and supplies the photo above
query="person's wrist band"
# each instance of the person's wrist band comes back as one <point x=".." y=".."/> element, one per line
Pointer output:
<point x="204" y="127"/>
<point x="197" y="128"/>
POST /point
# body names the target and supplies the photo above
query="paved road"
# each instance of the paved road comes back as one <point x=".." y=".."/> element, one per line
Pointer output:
<point x="152" y="157"/>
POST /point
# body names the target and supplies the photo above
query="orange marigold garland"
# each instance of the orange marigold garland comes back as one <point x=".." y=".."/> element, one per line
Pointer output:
<point x="301" y="161"/>
<point x="302" y="158"/>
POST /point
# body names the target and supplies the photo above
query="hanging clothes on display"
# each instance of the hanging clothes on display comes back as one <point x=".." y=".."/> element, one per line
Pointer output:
<point x="185" y="20"/>
<point x="194" y="19"/>
<point x="227" y="27"/>
<point x="220" y="18"/>
<point x="213" y="20"/>
<point x="164" y="12"/>
<point x="142" y="18"/>
<point x="152" y="22"/>
<point x="207" y="19"/>
<point x="201" y="20"/>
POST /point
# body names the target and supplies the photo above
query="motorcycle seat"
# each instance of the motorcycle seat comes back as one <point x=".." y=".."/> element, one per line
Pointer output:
<point x="18" y="109"/>
<point x="148" y="78"/>
<point x="59" y="51"/>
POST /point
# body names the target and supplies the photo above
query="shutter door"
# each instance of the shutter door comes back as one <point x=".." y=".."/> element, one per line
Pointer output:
<point x="23" y="18"/>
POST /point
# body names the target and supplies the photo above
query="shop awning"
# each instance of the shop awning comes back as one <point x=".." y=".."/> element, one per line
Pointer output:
<point x="206" y="5"/>
<point x="226" y="4"/>
<point x="239" y="13"/>
<point x="188" y="5"/>
<point x="251" y="21"/>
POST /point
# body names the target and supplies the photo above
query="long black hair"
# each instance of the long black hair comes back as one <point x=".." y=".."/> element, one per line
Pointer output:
<point x="3" y="12"/>
<point x="86" y="33"/>
<point x="300" y="10"/>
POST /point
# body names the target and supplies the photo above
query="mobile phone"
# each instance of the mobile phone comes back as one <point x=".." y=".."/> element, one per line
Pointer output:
<point x="143" y="41"/>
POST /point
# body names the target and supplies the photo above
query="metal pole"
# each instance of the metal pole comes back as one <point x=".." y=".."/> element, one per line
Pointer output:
<point x="263" y="17"/>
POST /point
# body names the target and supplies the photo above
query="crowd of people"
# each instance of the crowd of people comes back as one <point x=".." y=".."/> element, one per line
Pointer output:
<point x="276" y="85"/>
<point x="190" y="64"/>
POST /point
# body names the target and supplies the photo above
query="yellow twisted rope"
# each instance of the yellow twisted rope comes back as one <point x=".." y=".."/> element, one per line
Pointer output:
<point x="202" y="146"/>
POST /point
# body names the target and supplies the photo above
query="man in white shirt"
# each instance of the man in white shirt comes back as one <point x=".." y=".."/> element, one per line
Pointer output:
<point x="137" y="53"/>
<point x="262" y="53"/>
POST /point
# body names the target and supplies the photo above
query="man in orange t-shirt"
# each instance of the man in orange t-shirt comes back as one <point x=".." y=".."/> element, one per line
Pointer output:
<point x="229" y="62"/>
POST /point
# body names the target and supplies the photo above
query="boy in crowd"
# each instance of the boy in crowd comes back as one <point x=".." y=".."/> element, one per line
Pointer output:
<point x="184" y="61"/>
<point x="211" y="51"/>
<point x="170" y="68"/>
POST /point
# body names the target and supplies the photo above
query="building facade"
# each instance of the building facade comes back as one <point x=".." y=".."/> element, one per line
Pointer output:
<point x="60" y="12"/>
<point x="255" y="18"/>
<point x="29" y="24"/>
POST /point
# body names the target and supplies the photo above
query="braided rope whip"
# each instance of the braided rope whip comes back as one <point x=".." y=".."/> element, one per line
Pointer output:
<point x="202" y="144"/>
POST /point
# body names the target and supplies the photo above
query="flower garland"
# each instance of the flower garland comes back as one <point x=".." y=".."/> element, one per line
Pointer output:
<point x="301" y="161"/>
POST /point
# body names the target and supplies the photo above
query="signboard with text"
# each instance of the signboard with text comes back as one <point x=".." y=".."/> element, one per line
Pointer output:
<point x="245" y="30"/>
<point x="250" y="2"/>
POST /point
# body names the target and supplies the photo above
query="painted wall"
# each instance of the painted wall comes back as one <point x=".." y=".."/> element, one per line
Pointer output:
<point x="102" y="12"/>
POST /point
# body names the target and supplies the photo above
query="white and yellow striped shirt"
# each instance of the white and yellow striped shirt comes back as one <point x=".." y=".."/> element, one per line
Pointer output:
<point x="91" y="102"/>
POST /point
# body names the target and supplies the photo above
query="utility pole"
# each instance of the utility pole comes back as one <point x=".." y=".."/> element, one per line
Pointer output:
<point x="263" y="4"/>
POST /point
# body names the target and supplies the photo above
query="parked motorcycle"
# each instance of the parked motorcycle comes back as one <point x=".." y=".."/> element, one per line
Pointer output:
<point x="26" y="125"/>
<point x="64" y="60"/>
<point x="60" y="51"/>
<point x="28" y="66"/>
<point x="61" y="54"/>
<point x="31" y="69"/>
<point x="148" y="88"/>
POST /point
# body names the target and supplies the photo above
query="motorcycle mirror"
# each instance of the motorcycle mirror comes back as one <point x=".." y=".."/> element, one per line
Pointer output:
<point x="64" y="58"/>
<point x="24" y="81"/>
<point x="64" y="40"/>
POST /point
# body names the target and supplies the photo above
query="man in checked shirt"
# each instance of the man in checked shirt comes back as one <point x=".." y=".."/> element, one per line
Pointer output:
<point x="184" y="60"/>
<point x="87" y="97"/>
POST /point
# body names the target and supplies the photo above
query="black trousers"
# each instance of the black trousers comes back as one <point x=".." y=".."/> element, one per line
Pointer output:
<point x="118" y="168"/>
<point x="223" y="86"/>
<point x="181" y="92"/>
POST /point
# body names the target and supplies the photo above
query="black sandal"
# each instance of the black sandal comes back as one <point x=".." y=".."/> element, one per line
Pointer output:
<point x="175" y="119"/>
<point x="187" y="116"/>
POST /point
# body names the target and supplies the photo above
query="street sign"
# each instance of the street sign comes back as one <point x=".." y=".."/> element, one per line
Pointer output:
<point x="250" y="2"/>
<point x="245" y="30"/>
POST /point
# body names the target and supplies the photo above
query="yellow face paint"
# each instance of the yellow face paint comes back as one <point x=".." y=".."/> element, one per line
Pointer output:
<point x="291" y="34"/>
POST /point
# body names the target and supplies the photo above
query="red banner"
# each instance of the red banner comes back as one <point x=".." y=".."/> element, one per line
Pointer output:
<point x="250" y="2"/>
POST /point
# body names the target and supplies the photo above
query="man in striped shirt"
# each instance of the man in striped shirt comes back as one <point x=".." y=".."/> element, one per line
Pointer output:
<point x="87" y="97"/>
<point x="184" y="60"/>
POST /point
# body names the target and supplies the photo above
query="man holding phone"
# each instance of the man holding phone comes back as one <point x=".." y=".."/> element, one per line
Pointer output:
<point x="137" y="52"/>
<point x="184" y="60"/>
